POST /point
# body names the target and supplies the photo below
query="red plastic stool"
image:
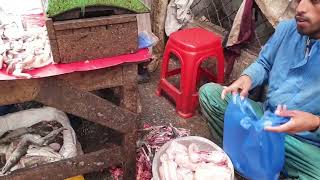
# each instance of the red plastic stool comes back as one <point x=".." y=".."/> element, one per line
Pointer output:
<point x="191" y="46"/>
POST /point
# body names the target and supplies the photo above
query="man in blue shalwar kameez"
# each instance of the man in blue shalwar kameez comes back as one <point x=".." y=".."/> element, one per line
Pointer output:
<point x="289" y="64"/>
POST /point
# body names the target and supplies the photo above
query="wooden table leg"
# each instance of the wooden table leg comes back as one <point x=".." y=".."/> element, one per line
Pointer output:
<point x="129" y="149"/>
<point x="129" y="90"/>
<point x="129" y="100"/>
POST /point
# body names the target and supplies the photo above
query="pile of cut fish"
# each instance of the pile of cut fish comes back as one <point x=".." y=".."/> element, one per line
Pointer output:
<point x="180" y="162"/>
<point x="153" y="137"/>
<point x="22" y="49"/>
<point x="31" y="146"/>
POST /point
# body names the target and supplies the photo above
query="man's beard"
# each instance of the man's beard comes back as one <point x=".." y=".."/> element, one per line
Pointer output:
<point x="313" y="34"/>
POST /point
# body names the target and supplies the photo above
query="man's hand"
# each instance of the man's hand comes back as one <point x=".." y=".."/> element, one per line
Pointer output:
<point x="299" y="121"/>
<point x="241" y="85"/>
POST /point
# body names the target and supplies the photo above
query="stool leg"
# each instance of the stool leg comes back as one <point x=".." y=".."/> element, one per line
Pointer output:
<point x="164" y="68"/>
<point x="220" y="66"/>
<point x="187" y="101"/>
<point x="199" y="75"/>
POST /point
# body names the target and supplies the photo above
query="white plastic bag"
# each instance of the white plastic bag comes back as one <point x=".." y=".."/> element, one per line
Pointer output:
<point x="178" y="15"/>
<point x="30" y="117"/>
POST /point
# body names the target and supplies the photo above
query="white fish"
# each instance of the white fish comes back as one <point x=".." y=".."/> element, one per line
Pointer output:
<point x="212" y="172"/>
<point x="42" y="151"/>
<point x="176" y="148"/>
<point x="4" y="149"/>
<point x="184" y="162"/>
<point x="193" y="163"/>
<point x="194" y="155"/>
<point x="22" y="50"/>
<point x="184" y="174"/>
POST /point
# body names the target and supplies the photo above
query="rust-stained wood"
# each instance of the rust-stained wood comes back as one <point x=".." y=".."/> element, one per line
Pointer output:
<point x="97" y="79"/>
<point x="158" y="17"/>
<point x="50" y="28"/>
<point x="130" y="74"/>
<point x="129" y="93"/>
<point x="18" y="91"/>
<point x="91" y="22"/>
<point x="129" y="151"/>
<point x="55" y="50"/>
<point x="91" y="162"/>
<point x="129" y="99"/>
<point x="62" y="95"/>
<point x="92" y="38"/>
<point x="69" y="93"/>
<point x="52" y="39"/>
<point x="110" y="40"/>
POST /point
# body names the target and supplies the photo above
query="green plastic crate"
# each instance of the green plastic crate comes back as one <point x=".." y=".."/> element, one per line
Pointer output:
<point x="56" y="7"/>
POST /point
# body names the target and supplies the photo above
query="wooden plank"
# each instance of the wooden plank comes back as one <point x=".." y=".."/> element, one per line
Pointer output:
<point x="84" y="44"/>
<point x="91" y="162"/>
<point x="62" y="95"/>
<point x="129" y="151"/>
<point x="97" y="21"/>
<point x="158" y="17"/>
<point x="129" y="94"/>
<point x="91" y="38"/>
<point x="94" y="80"/>
<point x="55" y="50"/>
<point x="50" y="28"/>
<point x="18" y="91"/>
<point x="144" y="20"/>
<point x="52" y="40"/>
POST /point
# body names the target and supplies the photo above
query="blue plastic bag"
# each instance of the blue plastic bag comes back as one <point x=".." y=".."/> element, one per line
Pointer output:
<point x="147" y="39"/>
<point x="255" y="153"/>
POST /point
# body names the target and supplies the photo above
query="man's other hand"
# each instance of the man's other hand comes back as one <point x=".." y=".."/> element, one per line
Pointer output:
<point x="299" y="121"/>
<point x="241" y="85"/>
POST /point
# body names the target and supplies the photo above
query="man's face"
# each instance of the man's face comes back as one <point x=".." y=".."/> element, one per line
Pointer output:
<point x="308" y="17"/>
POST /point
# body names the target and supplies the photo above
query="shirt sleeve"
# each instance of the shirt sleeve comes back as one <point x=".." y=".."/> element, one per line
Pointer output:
<point x="317" y="134"/>
<point x="259" y="70"/>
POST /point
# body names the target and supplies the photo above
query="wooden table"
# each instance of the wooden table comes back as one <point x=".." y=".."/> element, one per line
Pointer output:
<point x="71" y="94"/>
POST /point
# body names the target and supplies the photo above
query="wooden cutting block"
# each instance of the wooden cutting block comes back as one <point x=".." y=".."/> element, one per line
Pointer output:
<point x="92" y="38"/>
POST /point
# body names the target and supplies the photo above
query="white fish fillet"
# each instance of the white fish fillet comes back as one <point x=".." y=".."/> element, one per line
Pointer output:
<point x="23" y="50"/>
<point x="182" y="163"/>
<point x="212" y="172"/>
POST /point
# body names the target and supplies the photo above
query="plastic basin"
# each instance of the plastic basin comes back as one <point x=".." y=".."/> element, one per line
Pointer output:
<point x="203" y="144"/>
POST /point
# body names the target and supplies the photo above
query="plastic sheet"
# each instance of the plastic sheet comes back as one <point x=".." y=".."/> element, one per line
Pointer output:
<point x="58" y="69"/>
<point x="257" y="154"/>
